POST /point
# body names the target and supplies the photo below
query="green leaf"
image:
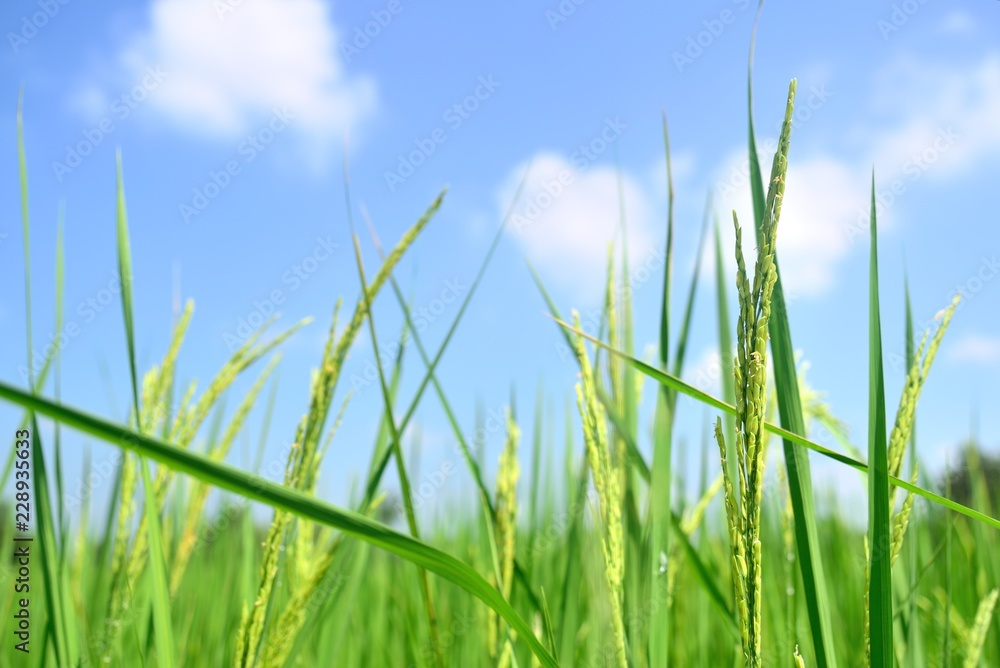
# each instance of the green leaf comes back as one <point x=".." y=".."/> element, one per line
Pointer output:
<point x="699" y="395"/>
<point x="293" y="501"/>
<point x="659" y="481"/>
<point x="404" y="481"/>
<point x="49" y="549"/>
<point x="879" y="526"/>
<point x="125" y="273"/>
<point x="162" y="625"/>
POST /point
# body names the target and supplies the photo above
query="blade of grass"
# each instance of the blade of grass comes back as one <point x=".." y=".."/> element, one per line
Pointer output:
<point x="125" y="274"/>
<point x="914" y="642"/>
<point x="681" y="353"/>
<point x="404" y="481"/>
<point x="949" y="529"/>
<point x="430" y="377"/>
<point x="293" y="501"/>
<point x="660" y="479"/>
<point x="57" y="441"/>
<point x="22" y="167"/>
<point x="162" y="623"/>
<point x="64" y="534"/>
<point x="59" y="626"/>
<point x="879" y="528"/>
<point x="701" y="569"/>
<point x="714" y="402"/>
<point x="536" y="464"/>
<point x="164" y="633"/>
<point x="49" y="549"/>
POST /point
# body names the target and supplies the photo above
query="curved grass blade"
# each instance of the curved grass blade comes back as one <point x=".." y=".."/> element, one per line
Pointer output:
<point x="704" y="397"/>
<point x="293" y="501"/>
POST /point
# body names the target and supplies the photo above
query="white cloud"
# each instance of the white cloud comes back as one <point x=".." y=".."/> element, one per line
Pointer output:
<point x="939" y="121"/>
<point x="924" y="102"/>
<point x="823" y="198"/>
<point x="976" y="348"/>
<point x="226" y="74"/>
<point x="566" y="217"/>
<point x="932" y="121"/>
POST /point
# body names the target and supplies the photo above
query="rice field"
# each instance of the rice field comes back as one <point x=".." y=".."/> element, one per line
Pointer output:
<point x="607" y="558"/>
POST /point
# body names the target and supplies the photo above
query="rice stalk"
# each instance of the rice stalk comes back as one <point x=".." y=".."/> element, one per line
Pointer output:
<point x="608" y="480"/>
<point x="744" y="496"/>
<point x="899" y="438"/>
<point x="505" y="521"/>
<point x="981" y="624"/>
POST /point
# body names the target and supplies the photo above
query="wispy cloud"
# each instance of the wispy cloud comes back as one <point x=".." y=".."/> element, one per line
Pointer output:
<point x="568" y="214"/>
<point x="230" y="65"/>
<point x="976" y="349"/>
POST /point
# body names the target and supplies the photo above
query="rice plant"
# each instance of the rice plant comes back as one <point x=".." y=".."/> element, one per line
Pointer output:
<point x="610" y="557"/>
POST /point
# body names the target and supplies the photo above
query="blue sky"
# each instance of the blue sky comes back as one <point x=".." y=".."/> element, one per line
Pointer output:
<point x="231" y="118"/>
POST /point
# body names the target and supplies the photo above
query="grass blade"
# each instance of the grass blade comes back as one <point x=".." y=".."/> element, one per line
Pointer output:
<point x="660" y="479"/>
<point x="404" y="481"/>
<point x="879" y="528"/>
<point x="49" y="549"/>
<point x="714" y="402"/>
<point x="162" y="624"/>
<point x="22" y="166"/>
<point x="125" y="273"/>
<point x="164" y="632"/>
<point x="293" y="501"/>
